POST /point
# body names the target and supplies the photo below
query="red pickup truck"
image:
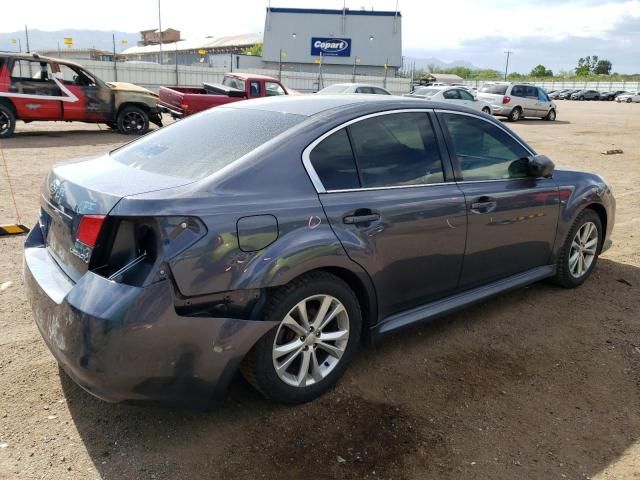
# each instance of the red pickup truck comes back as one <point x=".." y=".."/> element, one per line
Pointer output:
<point x="182" y="101"/>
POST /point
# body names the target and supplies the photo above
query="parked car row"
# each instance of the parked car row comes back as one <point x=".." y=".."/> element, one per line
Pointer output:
<point x="584" y="94"/>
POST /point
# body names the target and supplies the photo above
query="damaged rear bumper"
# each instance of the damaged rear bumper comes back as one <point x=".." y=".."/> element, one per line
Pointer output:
<point x="121" y="342"/>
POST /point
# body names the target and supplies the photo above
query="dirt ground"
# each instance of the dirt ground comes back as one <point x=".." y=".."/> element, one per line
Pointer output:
<point x="541" y="383"/>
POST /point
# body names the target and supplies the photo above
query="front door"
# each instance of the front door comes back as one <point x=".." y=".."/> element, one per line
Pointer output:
<point x="388" y="202"/>
<point x="512" y="218"/>
<point x="94" y="101"/>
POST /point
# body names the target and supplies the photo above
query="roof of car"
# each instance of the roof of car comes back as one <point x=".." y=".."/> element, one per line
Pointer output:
<point x="246" y="76"/>
<point x="353" y="84"/>
<point x="309" y="105"/>
<point x="34" y="56"/>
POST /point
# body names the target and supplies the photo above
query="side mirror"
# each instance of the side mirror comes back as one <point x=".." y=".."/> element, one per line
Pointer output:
<point x="540" y="166"/>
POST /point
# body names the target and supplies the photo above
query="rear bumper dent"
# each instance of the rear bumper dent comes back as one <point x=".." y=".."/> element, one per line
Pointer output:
<point x="120" y="342"/>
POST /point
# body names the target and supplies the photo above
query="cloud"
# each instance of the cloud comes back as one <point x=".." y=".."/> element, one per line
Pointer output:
<point x="617" y="43"/>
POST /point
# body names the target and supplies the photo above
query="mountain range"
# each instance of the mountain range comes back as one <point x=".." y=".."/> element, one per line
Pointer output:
<point x="42" y="40"/>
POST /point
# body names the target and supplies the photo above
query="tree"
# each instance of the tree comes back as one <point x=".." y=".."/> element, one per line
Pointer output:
<point x="587" y="66"/>
<point x="603" y="67"/>
<point x="255" y="49"/>
<point x="515" y="76"/>
<point x="541" y="71"/>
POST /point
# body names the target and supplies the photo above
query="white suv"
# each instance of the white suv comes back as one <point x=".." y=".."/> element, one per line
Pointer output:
<point x="518" y="100"/>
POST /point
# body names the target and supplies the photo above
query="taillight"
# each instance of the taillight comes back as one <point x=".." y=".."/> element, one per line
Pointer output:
<point x="506" y="99"/>
<point x="89" y="229"/>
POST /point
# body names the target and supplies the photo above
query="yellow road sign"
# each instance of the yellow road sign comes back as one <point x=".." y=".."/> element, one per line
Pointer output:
<point x="68" y="41"/>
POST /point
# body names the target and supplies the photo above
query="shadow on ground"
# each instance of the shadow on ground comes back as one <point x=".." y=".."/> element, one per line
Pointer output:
<point x="64" y="138"/>
<point x="539" y="383"/>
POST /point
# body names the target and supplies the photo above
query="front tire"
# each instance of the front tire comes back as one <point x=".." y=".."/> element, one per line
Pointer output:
<point x="629" y="100"/>
<point x="316" y="338"/>
<point x="580" y="251"/>
<point x="133" y="120"/>
<point x="515" y="115"/>
<point x="7" y="121"/>
<point x="487" y="110"/>
<point x="551" y="116"/>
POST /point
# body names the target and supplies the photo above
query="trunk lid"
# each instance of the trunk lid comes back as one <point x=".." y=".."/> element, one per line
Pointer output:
<point x="88" y="187"/>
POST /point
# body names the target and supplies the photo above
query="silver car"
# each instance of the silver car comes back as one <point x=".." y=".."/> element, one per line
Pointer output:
<point x="518" y="100"/>
<point x="345" y="88"/>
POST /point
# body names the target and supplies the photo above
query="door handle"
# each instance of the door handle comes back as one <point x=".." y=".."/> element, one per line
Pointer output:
<point x="483" y="207"/>
<point x="366" y="218"/>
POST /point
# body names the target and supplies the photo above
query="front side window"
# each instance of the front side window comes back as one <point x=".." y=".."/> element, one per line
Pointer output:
<point x="73" y="75"/>
<point x="464" y="95"/>
<point x="531" y="92"/>
<point x="272" y="89"/>
<point x="484" y="151"/>
<point x="542" y="95"/>
<point x="396" y="149"/>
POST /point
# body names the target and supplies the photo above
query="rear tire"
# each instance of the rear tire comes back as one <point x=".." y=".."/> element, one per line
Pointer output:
<point x="133" y="120"/>
<point x="292" y="363"/>
<point x="580" y="251"/>
<point x="515" y="115"/>
<point x="7" y="121"/>
<point x="629" y="100"/>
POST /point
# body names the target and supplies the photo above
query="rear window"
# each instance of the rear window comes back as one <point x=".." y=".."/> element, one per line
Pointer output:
<point x="429" y="92"/>
<point x="199" y="146"/>
<point x="335" y="89"/>
<point x="497" y="89"/>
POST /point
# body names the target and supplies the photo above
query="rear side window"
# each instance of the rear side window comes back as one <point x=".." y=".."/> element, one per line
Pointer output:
<point x="199" y="146"/>
<point x="484" y="151"/>
<point x="332" y="159"/>
<point x="519" y="91"/>
<point x="396" y="149"/>
<point x="495" y="89"/>
<point x="380" y="91"/>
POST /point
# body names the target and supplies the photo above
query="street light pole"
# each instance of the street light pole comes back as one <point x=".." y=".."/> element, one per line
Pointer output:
<point x="160" y="28"/>
<point x="506" y="68"/>
<point x="280" y="66"/>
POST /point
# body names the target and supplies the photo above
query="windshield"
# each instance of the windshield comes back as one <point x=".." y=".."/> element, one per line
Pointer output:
<point x="496" y="89"/>
<point x="199" y="146"/>
<point x="335" y="89"/>
<point x="233" y="82"/>
<point x="427" y="92"/>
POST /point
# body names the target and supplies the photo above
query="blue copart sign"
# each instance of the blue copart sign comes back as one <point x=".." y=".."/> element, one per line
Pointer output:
<point x="331" y="47"/>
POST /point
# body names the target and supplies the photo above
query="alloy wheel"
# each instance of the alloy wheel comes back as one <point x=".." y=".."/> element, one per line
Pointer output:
<point x="583" y="249"/>
<point x="310" y="340"/>
<point x="5" y="123"/>
<point x="133" y="122"/>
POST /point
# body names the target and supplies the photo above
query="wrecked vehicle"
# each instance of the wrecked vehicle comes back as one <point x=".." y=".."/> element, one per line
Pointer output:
<point x="182" y="101"/>
<point x="33" y="87"/>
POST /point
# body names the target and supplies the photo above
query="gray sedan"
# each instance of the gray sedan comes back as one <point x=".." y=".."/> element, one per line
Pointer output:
<point x="346" y="88"/>
<point x="271" y="236"/>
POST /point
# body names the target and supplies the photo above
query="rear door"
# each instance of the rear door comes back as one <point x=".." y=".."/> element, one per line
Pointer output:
<point x="390" y="201"/>
<point x="33" y="90"/>
<point x="512" y="218"/>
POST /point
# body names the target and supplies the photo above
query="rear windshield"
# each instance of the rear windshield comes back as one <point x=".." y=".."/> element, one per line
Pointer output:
<point x="497" y="89"/>
<point x="429" y="92"/>
<point x="234" y="82"/>
<point x="335" y="89"/>
<point x="199" y="146"/>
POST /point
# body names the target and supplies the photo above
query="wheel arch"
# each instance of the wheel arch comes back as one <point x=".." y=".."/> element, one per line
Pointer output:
<point x="359" y="283"/>
<point x="9" y="104"/>
<point x="602" y="214"/>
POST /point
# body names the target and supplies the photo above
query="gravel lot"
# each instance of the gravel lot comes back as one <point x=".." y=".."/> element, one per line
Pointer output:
<point x="541" y="383"/>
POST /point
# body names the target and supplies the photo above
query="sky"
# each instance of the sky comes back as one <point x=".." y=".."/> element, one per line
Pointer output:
<point x="552" y="32"/>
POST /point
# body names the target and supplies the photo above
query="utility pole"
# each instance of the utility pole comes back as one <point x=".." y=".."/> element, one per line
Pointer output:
<point x="26" y="31"/>
<point x="115" y="67"/>
<point x="506" y="68"/>
<point x="160" y="28"/>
